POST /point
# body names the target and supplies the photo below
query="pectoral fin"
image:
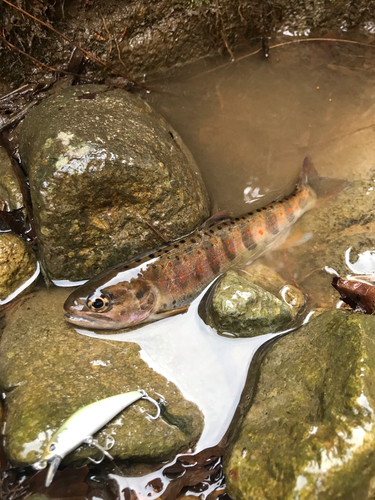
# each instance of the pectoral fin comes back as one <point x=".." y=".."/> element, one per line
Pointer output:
<point x="173" y="312"/>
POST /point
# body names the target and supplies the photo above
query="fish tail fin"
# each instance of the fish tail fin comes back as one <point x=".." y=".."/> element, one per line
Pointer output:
<point x="308" y="173"/>
<point x="324" y="187"/>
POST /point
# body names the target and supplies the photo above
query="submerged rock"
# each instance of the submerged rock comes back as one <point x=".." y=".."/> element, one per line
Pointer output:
<point x="102" y="164"/>
<point x="10" y="193"/>
<point x="242" y="307"/>
<point x="310" y="433"/>
<point x="17" y="264"/>
<point x="48" y="371"/>
<point x="270" y="280"/>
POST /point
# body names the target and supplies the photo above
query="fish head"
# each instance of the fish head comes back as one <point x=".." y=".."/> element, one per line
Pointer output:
<point x="112" y="306"/>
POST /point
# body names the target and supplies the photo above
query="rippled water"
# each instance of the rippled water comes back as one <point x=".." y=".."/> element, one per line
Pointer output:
<point x="249" y="125"/>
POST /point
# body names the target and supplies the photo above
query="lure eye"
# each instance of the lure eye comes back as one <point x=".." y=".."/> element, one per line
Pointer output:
<point x="98" y="303"/>
<point x="52" y="447"/>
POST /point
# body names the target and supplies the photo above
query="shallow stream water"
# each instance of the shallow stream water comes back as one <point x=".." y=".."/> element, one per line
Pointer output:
<point x="249" y="125"/>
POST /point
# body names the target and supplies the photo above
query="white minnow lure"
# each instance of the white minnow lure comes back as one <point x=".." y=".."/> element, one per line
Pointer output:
<point x="82" y="425"/>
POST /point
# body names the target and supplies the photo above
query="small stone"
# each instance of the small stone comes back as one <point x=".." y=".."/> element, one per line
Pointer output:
<point x="245" y="309"/>
<point x="10" y="193"/>
<point x="270" y="280"/>
<point x="17" y="264"/>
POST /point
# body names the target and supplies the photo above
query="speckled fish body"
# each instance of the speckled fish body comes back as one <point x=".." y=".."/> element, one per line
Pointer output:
<point x="147" y="287"/>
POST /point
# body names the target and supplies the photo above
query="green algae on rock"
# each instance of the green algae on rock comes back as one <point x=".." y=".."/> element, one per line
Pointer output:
<point x="102" y="164"/>
<point x="309" y="433"/>
<point x="245" y="309"/>
<point x="48" y="371"/>
<point x="10" y="193"/>
<point x="17" y="264"/>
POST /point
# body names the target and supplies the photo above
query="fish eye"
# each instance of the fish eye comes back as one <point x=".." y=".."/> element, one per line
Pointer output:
<point x="98" y="303"/>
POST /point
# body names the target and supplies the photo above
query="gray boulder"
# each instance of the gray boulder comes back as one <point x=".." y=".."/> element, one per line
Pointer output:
<point x="103" y="166"/>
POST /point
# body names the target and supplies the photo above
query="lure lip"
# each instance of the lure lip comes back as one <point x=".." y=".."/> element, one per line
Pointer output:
<point x="54" y="463"/>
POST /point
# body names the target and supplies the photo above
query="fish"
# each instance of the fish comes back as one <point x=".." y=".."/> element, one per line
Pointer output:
<point x="82" y="425"/>
<point x="163" y="282"/>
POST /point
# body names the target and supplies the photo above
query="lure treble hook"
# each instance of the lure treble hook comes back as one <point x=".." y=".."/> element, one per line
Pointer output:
<point x="94" y="444"/>
<point x="155" y="403"/>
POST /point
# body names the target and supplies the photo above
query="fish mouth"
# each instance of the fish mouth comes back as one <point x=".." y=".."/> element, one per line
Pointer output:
<point x="89" y="323"/>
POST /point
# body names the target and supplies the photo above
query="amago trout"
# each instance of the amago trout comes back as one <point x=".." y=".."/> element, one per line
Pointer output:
<point x="153" y="285"/>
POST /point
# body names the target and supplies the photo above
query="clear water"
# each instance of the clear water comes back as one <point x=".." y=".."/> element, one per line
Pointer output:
<point x="249" y="125"/>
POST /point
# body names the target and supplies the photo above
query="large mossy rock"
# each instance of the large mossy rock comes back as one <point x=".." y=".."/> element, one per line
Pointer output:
<point x="10" y="192"/>
<point x="48" y="371"/>
<point x="309" y="433"/>
<point x="17" y="264"/>
<point x="102" y="164"/>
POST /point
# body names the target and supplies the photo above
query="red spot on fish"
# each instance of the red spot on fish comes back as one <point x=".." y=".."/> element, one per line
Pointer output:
<point x="169" y="264"/>
<point x="228" y="242"/>
<point x="248" y="231"/>
<point x="281" y="213"/>
<point x="253" y="220"/>
<point x="305" y="192"/>
<point x="260" y="232"/>
<point x="260" y="217"/>
<point x="182" y="276"/>
<point x="185" y="259"/>
<point x="271" y="214"/>
<point x="161" y="283"/>
<point x="210" y="249"/>
<point x="288" y="209"/>
<point x="199" y="268"/>
<point x="232" y="250"/>
<point x="297" y="207"/>
<point x="214" y="260"/>
<point x="216" y="242"/>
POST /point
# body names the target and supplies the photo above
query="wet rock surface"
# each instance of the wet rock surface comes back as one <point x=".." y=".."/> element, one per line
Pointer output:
<point x="10" y="193"/>
<point x="244" y="308"/>
<point x="102" y="166"/>
<point x="270" y="280"/>
<point x="17" y="263"/>
<point x="309" y="432"/>
<point x="48" y="371"/>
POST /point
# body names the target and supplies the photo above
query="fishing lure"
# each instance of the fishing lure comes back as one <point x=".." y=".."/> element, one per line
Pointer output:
<point x="160" y="283"/>
<point x="82" y="425"/>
